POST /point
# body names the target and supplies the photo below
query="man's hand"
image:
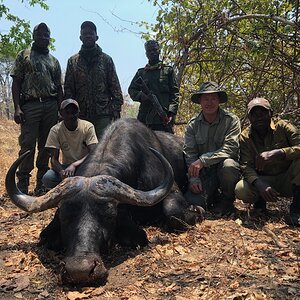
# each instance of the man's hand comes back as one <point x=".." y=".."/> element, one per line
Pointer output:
<point x="143" y="97"/>
<point x="196" y="188"/>
<point x="19" y="116"/>
<point x="171" y="119"/>
<point x="68" y="172"/>
<point x="195" y="168"/>
<point x="268" y="157"/>
<point x="266" y="191"/>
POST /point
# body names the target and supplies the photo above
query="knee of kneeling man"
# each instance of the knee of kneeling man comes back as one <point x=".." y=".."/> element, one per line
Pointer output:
<point x="230" y="172"/>
<point x="239" y="188"/>
<point x="243" y="192"/>
<point x="230" y="163"/>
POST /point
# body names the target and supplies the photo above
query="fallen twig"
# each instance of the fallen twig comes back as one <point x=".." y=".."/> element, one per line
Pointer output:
<point x="274" y="237"/>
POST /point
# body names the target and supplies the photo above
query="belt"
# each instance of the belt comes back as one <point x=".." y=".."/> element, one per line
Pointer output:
<point x="40" y="99"/>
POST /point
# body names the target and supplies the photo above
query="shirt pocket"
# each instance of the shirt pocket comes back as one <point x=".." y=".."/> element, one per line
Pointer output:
<point x="163" y="83"/>
<point x="280" y="142"/>
<point x="219" y="141"/>
<point x="201" y="140"/>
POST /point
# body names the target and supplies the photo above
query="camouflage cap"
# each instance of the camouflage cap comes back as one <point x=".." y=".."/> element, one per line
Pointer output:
<point x="209" y="87"/>
<point x="40" y="26"/>
<point x="88" y="24"/>
<point x="259" y="102"/>
<point x="67" y="102"/>
<point x="150" y="44"/>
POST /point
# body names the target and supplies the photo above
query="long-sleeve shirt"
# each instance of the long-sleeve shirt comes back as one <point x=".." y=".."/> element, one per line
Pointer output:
<point x="212" y="143"/>
<point x="94" y="84"/>
<point x="162" y="82"/>
<point x="282" y="135"/>
<point x="40" y="74"/>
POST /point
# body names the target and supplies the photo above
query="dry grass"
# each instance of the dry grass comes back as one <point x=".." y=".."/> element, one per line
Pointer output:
<point x="9" y="147"/>
<point x="239" y="258"/>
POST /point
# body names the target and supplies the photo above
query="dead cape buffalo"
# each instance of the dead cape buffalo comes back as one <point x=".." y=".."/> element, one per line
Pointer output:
<point x="120" y="185"/>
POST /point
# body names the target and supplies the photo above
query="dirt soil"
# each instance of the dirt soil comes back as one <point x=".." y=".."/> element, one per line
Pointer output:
<point x="242" y="257"/>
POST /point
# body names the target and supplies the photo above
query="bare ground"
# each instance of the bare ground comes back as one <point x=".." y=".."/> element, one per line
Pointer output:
<point x="242" y="257"/>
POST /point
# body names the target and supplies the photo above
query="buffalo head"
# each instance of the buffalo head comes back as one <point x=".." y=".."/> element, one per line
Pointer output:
<point x="86" y="218"/>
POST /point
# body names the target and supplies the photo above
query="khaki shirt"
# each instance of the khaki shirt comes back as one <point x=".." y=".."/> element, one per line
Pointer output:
<point x="73" y="144"/>
<point x="282" y="135"/>
<point x="214" y="142"/>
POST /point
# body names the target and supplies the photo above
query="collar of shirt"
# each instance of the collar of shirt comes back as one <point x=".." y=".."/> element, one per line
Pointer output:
<point x="272" y="128"/>
<point x="154" y="67"/>
<point x="219" y="117"/>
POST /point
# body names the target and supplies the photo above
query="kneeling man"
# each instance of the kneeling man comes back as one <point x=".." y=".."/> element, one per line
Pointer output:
<point x="74" y="137"/>
<point x="270" y="152"/>
<point x="211" y="150"/>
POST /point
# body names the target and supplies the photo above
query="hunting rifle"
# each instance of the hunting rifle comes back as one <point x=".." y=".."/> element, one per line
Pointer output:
<point x="154" y="101"/>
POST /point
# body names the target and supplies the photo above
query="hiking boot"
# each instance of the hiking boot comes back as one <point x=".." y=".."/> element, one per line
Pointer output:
<point x="293" y="218"/>
<point x="223" y="208"/>
<point x="260" y="206"/>
<point x="23" y="185"/>
<point x="40" y="189"/>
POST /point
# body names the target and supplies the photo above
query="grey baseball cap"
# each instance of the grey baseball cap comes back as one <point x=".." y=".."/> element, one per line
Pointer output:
<point x="67" y="102"/>
<point x="263" y="102"/>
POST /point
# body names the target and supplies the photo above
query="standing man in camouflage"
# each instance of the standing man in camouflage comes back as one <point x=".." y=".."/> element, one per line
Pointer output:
<point x="161" y="82"/>
<point x="91" y="80"/>
<point x="37" y="93"/>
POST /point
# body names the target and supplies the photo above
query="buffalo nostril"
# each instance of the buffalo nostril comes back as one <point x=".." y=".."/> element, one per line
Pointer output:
<point x="86" y="270"/>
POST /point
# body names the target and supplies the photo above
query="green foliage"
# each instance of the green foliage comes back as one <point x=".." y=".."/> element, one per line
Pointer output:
<point x="19" y="35"/>
<point x="130" y="109"/>
<point x="250" y="47"/>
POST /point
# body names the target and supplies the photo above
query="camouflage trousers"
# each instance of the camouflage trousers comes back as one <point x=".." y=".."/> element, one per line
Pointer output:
<point x="283" y="183"/>
<point x="39" y="118"/>
<point x="100" y="123"/>
<point x="218" y="183"/>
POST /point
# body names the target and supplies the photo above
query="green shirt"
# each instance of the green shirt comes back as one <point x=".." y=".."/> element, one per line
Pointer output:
<point x="161" y="81"/>
<point x="40" y="74"/>
<point x="214" y="142"/>
<point x="282" y="135"/>
<point x="93" y="82"/>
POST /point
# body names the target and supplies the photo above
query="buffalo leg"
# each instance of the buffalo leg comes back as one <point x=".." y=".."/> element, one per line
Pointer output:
<point x="128" y="233"/>
<point x="179" y="215"/>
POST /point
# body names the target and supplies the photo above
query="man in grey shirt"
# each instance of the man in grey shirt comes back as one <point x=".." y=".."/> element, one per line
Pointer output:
<point x="211" y="151"/>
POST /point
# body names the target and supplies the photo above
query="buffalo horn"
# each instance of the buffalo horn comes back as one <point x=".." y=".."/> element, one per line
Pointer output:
<point x="31" y="204"/>
<point x="111" y="187"/>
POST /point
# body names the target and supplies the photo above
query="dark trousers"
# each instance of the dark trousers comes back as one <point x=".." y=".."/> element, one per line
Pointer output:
<point x="161" y="127"/>
<point x="220" y="177"/>
<point x="39" y="118"/>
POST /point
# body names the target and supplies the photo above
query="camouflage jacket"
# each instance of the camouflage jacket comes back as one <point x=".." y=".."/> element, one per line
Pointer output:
<point x="94" y="84"/>
<point x="40" y="74"/>
<point x="161" y="81"/>
<point x="282" y="135"/>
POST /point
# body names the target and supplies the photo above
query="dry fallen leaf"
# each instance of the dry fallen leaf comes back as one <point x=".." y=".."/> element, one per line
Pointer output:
<point x="76" y="295"/>
<point x="22" y="283"/>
